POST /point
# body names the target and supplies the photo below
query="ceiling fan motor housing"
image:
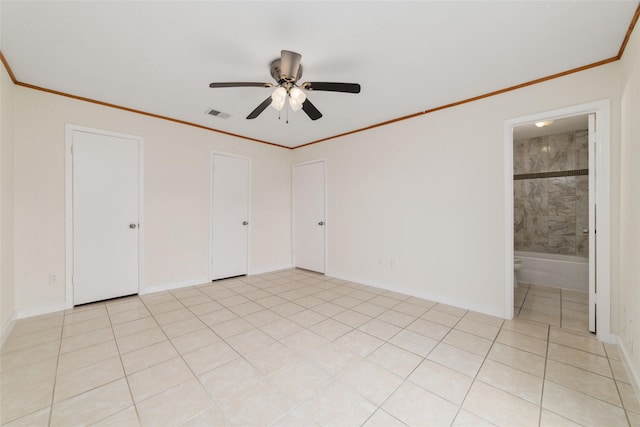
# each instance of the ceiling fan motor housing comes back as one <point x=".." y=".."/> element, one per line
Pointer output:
<point x="276" y="72"/>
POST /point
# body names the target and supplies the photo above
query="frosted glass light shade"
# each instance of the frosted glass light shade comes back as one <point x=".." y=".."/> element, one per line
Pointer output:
<point x="278" y="98"/>
<point x="296" y="98"/>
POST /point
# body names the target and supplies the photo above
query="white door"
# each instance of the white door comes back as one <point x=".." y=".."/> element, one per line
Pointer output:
<point x="229" y="216"/>
<point x="592" y="223"/>
<point x="309" y="216"/>
<point x="105" y="216"/>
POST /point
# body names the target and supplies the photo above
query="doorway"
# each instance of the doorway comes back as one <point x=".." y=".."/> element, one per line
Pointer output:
<point x="309" y="216"/>
<point x="554" y="235"/>
<point x="104" y="214"/>
<point x="599" y="177"/>
<point x="230" y="195"/>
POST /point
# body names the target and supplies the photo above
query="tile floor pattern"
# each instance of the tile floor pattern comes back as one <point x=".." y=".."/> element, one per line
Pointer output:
<point x="294" y="348"/>
<point x="554" y="306"/>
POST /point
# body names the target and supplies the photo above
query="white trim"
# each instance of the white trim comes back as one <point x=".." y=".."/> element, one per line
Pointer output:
<point x="249" y="204"/>
<point x="205" y="281"/>
<point x="8" y="327"/>
<point x="69" y="130"/>
<point x="40" y="310"/>
<point x="509" y="272"/>
<point x="410" y="291"/>
<point x="603" y="200"/>
<point x="592" y="139"/>
<point x="271" y="269"/>
<point x="176" y="285"/>
<point x="627" y="361"/>
<point x="322" y="160"/>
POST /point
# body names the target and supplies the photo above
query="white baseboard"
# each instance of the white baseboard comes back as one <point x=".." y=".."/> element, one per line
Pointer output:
<point x="270" y="269"/>
<point x="7" y="328"/>
<point x="150" y="289"/>
<point x="30" y="312"/>
<point x="413" y="293"/>
<point x="176" y="285"/>
<point x="632" y="371"/>
<point x="42" y="309"/>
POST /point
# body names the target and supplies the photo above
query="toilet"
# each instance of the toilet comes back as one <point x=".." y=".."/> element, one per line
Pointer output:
<point x="517" y="265"/>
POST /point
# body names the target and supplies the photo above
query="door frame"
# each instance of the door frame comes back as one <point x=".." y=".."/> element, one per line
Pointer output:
<point x="602" y="199"/>
<point x="210" y="257"/>
<point x="69" y="130"/>
<point x="322" y="160"/>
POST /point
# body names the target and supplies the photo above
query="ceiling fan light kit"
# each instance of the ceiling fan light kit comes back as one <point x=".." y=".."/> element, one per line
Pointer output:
<point x="286" y="71"/>
<point x="278" y="98"/>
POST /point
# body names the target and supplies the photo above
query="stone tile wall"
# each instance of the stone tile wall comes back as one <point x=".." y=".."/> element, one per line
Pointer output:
<point x="550" y="212"/>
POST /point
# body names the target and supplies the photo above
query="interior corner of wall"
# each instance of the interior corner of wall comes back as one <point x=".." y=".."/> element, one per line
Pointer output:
<point x="627" y="359"/>
<point x="7" y="328"/>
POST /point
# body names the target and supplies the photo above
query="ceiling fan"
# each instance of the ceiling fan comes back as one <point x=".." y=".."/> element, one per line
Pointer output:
<point x="286" y="71"/>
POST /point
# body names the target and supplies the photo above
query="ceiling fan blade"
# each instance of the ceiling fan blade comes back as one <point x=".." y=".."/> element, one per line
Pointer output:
<point x="332" y="87"/>
<point x="259" y="109"/>
<point x="311" y="110"/>
<point x="289" y="65"/>
<point x="239" y="84"/>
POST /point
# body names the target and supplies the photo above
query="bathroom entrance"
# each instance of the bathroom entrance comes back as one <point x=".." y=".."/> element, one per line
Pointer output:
<point x="557" y="163"/>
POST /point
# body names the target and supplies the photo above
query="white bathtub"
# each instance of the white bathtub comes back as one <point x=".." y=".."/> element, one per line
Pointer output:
<point x="560" y="271"/>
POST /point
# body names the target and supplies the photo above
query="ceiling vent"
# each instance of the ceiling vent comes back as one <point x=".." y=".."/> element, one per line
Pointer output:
<point x="218" y="114"/>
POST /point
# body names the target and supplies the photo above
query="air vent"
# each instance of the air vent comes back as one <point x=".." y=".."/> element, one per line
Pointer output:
<point x="218" y="114"/>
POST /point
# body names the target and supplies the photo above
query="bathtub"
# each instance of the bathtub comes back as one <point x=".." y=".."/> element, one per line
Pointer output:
<point x="559" y="271"/>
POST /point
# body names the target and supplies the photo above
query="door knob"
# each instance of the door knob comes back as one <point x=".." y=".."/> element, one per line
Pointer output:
<point x="132" y="226"/>
<point x="321" y="223"/>
<point x="245" y="223"/>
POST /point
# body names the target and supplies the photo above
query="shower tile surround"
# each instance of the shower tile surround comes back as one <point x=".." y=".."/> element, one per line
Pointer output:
<point x="551" y="194"/>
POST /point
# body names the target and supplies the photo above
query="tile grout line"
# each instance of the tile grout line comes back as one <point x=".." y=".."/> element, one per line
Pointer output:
<point x="181" y="356"/>
<point x="615" y="381"/>
<point x="124" y="372"/>
<point x="544" y="374"/>
<point x="55" y="377"/>
<point x="475" y="378"/>
<point x="335" y="379"/>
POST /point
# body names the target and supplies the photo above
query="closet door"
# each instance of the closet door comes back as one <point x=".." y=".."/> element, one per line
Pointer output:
<point x="229" y="216"/>
<point x="105" y="216"/>
<point x="309" y="216"/>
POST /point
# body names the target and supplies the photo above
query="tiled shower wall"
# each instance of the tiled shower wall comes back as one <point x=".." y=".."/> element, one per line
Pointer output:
<point x="551" y="194"/>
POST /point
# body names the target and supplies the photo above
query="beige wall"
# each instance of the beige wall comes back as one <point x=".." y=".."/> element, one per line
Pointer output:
<point x="430" y="193"/>
<point x="7" y="300"/>
<point x="629" y="214"/>
<point x="427" y="192"/>
<point x="176" y="196"/>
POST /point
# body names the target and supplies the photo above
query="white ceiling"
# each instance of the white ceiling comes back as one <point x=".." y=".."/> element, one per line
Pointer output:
<point x="159" y="57"/>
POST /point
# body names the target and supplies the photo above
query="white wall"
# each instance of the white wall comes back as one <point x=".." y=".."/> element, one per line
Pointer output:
<point x="629" y="294"/>
<point x="7" y="300"/>
<point x="430" y="193"/>
<point x="176" y="196"/>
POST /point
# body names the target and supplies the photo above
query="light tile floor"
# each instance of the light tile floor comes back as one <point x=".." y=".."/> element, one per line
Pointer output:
<point x="554" y="306"/>
<point x="295" y="348"/>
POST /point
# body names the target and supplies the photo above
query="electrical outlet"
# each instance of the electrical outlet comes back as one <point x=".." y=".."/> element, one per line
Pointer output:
<point x="627" y="327"/>
<point x="53" y="278"/>
<point x="394" y="263"/>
